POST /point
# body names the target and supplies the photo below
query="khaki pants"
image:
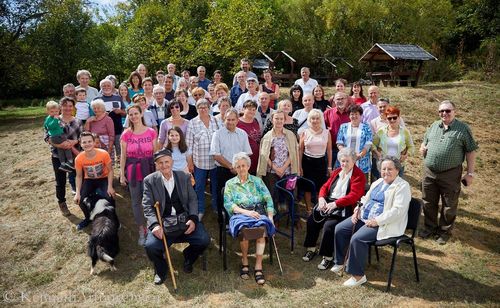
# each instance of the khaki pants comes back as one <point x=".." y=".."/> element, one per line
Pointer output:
<point x="445" y="186"/>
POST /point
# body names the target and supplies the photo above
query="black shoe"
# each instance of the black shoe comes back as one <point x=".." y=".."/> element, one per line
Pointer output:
<point x="188" y="267"/>
<point x="325" y="264"/>
<point x="425" y="233"/>
<point x="309" y="255"/>
<point x="158" y="280"/>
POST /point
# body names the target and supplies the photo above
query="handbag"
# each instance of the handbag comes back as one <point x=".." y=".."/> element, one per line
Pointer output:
<point x="175" y="225"/>
<point x="291" y="182"/>
<point x="258" y="207"/>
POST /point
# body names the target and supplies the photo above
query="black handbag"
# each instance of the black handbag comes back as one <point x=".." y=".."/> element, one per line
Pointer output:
<point x="175" y="225"/>
<point x="258" y="207"/>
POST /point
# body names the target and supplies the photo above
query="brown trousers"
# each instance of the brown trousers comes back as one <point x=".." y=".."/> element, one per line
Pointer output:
<point x="445" y="186"/>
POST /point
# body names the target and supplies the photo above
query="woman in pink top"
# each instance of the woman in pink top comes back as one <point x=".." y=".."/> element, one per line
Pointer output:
<point x="102" y="125"/>
<point x="138" y="143"/>
<point x="315" y="144"/>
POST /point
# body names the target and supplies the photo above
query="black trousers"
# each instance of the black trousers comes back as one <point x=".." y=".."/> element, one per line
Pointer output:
<point x="61" y="180"/>
<point x="326" y="247"/>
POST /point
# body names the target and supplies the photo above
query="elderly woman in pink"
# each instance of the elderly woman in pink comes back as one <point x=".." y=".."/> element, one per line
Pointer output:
<point x="102" y="125"/>
<point x="138" y="143"/>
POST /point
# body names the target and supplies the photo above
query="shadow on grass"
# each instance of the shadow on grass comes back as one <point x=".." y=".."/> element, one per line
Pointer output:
<point x="436" y="283"/>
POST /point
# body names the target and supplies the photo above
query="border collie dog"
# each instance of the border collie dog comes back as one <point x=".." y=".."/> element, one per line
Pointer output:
<point x="103" y="241"/>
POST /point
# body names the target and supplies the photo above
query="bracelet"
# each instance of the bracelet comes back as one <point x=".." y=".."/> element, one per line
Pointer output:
<point x="329" y="168"/>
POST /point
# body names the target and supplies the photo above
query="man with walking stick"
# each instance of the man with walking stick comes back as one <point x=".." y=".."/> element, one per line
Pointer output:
<point x="178" y="208"/>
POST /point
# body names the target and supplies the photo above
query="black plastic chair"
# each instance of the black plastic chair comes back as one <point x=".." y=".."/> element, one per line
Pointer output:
<point x="280" y="188"/>
<point x="224" y="230"/>
<point x="413" y="216"/>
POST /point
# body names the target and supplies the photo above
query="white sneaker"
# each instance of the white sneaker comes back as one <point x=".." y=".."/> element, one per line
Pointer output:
<point x="337" y="269"/>
<point x="352" y="282"/>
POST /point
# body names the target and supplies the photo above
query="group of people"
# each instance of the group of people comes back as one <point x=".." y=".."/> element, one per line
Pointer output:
<point x="170" y="137"/>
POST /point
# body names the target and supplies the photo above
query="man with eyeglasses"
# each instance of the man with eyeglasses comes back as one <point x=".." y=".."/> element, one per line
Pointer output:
<point x="334" y="117"/>
<point x="159" y="105"/>
<point x="446" y="144"/>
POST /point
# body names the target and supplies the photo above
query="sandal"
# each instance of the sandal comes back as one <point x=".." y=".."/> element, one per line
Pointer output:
<point x="259" y="278"/>
<point x="244" y="272"/>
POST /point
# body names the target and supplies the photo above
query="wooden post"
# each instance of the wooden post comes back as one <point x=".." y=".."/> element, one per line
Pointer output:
<point x="419" y="70"/>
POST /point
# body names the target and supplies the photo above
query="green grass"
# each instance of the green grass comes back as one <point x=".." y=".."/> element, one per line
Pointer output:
<point x="43" y="254"/>
<point x="13" y="113"/>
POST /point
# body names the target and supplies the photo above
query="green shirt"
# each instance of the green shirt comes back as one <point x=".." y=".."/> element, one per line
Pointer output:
<point x="253" y="191"/>
<point x="53" y="126"/>
<point x="446" y="148"/>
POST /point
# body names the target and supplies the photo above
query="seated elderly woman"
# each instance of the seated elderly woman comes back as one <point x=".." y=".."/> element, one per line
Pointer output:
<point x="250" y="206"/>
<point x="337" y="198"/>
<point x="384" y="214"/>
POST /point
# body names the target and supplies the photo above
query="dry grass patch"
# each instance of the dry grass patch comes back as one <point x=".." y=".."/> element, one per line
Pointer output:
<point x="43" y="256"/>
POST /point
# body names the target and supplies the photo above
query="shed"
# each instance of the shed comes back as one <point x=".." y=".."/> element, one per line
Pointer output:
<point x="401" y="59"/>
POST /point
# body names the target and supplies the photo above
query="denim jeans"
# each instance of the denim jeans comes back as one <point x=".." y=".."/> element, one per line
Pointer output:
<point x="200" y="177"/>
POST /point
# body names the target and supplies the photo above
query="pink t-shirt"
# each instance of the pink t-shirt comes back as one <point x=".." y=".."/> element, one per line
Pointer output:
<point x="315" y="144"/>
<point x="139" y="146"/>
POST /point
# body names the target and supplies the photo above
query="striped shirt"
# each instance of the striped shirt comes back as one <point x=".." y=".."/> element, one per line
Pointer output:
<point x="198" y="139"/>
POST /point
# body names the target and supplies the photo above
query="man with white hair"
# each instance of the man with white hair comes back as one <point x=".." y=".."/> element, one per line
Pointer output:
<point x="307" y="84"/>
<point x="171" y="72"/>
<point x="83" y="77"/>
<point x="202" y="81"/>
<point x="370" y="109"/>
<point x="239" y="88"/>
<point x="159" y="105"/>
<point x="116" y="110"/>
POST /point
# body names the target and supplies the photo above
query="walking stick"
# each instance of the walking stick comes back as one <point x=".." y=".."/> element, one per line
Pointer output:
<point x="359" y="204"/>
<point x="164" y="238"/>
<point x="277" y="255"/>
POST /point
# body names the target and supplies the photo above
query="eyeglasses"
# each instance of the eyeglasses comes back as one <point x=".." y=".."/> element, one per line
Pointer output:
<point x="445" y="110"/>
<point x="175" y="106"/>
<point x="392" y="118"/>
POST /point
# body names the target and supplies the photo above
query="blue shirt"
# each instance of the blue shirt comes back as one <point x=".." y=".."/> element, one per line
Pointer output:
<point x="235" y="93"/>
<point x="204" y="83"/>
<point x="375" y="205"/>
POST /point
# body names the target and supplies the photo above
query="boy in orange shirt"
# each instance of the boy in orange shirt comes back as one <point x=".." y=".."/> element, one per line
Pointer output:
<point x="94" y="173"/>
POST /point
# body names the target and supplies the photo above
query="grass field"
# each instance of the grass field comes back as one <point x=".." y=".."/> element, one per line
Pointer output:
<point x="43" y="258"/>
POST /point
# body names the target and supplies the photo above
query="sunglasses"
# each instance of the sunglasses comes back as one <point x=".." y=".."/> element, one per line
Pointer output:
<point x="392" y="118"/>
<point x="175" y="107"/>
<point x="445" y="111"/>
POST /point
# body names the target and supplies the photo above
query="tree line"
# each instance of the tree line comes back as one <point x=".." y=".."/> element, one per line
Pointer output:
<point x="44" y="42"/>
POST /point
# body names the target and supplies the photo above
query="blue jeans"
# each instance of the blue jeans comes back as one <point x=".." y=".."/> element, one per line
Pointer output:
<point x="200" y="177"/>
<point x="358" y="252"/>
<point x="198" y="242"/>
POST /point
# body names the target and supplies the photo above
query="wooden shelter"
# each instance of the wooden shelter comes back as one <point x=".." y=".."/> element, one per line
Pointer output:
<point x="396" y="63"/>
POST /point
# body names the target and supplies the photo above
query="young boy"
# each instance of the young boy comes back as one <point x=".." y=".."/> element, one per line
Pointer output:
<point x="83" y="110"/>
<point x="94" y="173"/>
<point x="56" y="134"/>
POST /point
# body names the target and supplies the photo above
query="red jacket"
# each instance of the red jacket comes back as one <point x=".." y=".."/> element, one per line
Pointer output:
<point x="356" y="189"/>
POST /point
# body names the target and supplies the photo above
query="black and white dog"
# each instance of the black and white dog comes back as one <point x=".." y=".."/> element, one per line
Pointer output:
<point x="103" y="241"/>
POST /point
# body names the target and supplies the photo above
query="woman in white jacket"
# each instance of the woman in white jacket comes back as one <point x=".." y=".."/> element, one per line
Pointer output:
<point x="384" y="214"/>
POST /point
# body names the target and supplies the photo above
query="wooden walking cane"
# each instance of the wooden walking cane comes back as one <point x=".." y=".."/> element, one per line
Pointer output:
<point x="164" y="238"/>
<point x="359" y="204"/>
<point x="277" y="255"/>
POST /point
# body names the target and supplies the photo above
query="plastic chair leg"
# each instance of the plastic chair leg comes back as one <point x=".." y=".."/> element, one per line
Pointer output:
<point x="376" y="254"/>
<point x="271" y="244"/>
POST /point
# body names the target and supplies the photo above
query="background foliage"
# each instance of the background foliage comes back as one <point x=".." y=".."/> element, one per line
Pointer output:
<point x="44" y="42"/>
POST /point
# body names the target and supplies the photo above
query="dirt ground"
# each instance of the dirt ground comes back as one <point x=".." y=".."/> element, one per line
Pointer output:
<point x="43" y="261"/>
